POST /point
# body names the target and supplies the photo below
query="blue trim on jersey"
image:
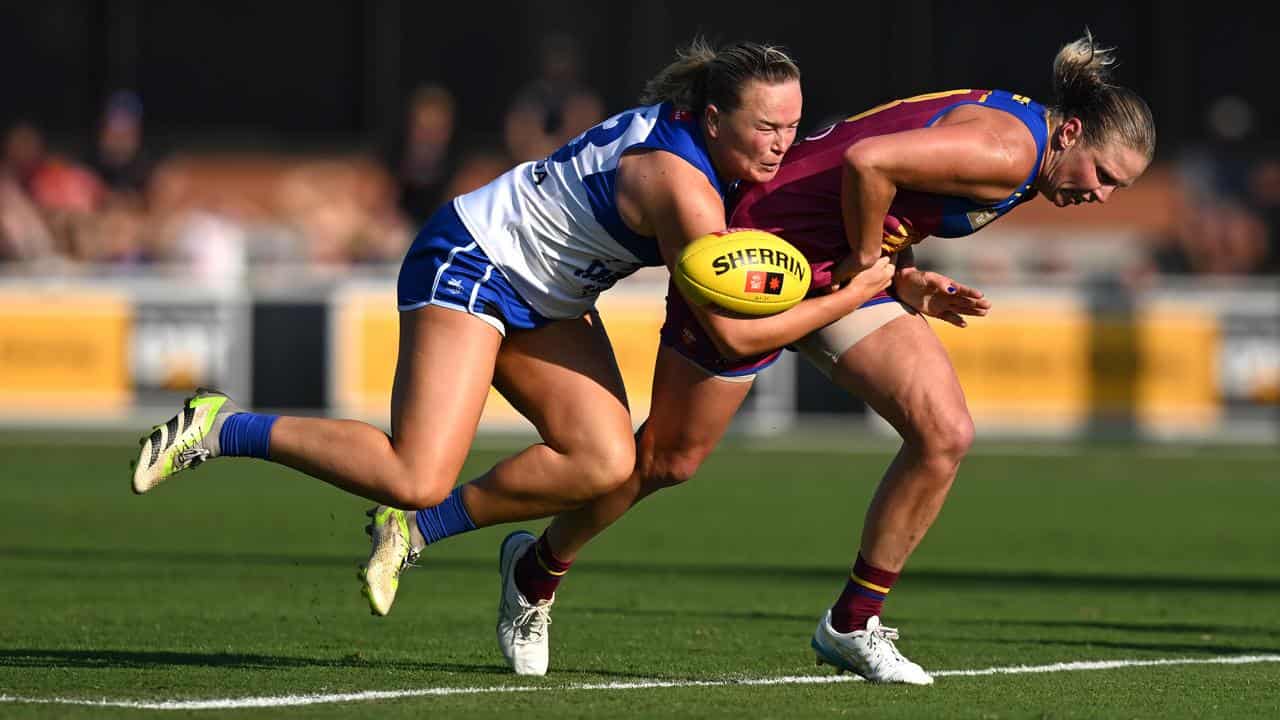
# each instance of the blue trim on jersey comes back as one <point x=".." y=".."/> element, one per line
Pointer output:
<point x="955" y="221"/>
<point x="715" y="366"/>
<point x="681" y="136"/>
<point x="671" y="132"/>
<point x="878" y="301"/>
<point x="764" y="364"/>
<point x="447" y="268"/>
<point x="600" y="189"/>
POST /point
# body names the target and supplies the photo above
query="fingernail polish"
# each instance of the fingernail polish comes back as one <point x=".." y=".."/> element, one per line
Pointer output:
<point x="951" y="289"/>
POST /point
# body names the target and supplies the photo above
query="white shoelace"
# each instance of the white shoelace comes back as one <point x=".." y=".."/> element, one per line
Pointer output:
<point x="188" y="457"/>
<point x="881" y="640"/>
<point x="411" y="558"/>
<point x="531" y="624"/>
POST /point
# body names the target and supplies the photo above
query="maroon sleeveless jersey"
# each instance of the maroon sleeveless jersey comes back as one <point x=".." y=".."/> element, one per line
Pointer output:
<point x="802" y="202"/>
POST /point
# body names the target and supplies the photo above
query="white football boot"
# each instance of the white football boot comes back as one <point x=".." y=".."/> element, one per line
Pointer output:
<point x="869" y="653"/>
<point x="187" y="440"/>
<point x="391" y="553"/>
<point x="522" y="626"/>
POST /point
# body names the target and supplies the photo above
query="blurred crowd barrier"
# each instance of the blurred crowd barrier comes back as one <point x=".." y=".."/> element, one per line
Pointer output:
<point x="1188" y="361"/>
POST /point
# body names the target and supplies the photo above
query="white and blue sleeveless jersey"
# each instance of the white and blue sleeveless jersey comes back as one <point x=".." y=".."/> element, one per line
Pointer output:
<point x="552" y="226"/>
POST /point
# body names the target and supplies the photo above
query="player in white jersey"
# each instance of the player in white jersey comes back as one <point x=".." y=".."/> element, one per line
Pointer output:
<point x="499" y="288"/>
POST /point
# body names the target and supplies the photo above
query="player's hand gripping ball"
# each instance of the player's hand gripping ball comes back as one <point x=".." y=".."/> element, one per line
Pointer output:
<point x="750" y="272"/>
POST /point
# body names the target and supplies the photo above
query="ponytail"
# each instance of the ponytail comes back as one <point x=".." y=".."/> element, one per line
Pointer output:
<point x="701" y="75"/>
<point x="1082" y="88"/>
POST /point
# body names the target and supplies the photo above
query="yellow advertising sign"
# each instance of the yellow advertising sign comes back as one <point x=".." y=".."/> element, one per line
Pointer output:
<point x="63" y="351"/>
<point x="365" y="338"/>
<point x="1048" y="365"/>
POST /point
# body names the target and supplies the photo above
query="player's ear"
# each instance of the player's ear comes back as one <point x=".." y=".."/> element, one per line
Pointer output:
<point x="711" y="121"/>
<point x="1070" y="132"/>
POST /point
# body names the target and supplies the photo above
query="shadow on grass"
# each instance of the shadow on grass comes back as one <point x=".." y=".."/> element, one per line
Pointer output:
<point x="739" y="615"/>
<point x="1137" y="627"/>
<point x="916" y="579"/>
<point x="156" y="659"/>
<point x="1163" y="647"/>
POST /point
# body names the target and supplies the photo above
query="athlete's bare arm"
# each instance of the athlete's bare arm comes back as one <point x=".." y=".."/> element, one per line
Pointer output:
<point x="978" y="153"/>
<point x="661" y="195"/>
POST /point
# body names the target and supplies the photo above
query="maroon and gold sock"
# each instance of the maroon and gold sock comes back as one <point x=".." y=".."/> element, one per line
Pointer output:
<point x="863" y="596"/>
<point x="539" y="571"/>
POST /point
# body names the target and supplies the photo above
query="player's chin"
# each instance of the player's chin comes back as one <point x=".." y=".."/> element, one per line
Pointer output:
<point x="764" y="172"/>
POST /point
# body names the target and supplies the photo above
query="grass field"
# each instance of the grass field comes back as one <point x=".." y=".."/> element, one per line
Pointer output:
<point x="238" y="580"/>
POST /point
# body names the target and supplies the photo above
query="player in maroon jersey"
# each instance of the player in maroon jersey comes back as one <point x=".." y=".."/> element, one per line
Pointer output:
<point x="944" y="164"/>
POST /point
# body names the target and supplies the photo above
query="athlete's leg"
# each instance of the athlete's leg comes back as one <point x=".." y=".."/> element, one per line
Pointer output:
<point x="902" y="371"/>
<point x="689" y="413"/>
<point x="443" y="373"/>
<point x="563" y="377"/>
<point x="444" y="370"/>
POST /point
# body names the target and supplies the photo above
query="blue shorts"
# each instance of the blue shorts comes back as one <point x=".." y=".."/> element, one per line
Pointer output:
<point x="446" y="267"/>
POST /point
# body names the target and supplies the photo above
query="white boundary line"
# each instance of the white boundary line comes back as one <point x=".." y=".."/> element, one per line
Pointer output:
<point x="300" y="700"/>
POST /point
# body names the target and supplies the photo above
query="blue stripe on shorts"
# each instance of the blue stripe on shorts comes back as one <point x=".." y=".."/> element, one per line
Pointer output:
<point x="446" y="267"/>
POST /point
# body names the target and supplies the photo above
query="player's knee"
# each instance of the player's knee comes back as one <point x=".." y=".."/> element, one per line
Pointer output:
<point x="420" y="498"/>
<point x="421" y="489"/>
<point x="950" y="437"/>
<point x="604" y="467"/>
<point x="661" y="469"/>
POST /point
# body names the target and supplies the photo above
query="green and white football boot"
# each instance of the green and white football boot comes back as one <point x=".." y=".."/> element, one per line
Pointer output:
<point x="187" y="440"/>
<point x="393" y="550"/>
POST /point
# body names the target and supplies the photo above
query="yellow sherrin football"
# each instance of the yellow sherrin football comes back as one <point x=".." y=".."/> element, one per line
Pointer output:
<point x="751" y="272"/>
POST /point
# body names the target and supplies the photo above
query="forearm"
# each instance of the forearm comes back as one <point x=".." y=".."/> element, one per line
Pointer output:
<point x="865" y="198"/>
<point x="741" y="337"/>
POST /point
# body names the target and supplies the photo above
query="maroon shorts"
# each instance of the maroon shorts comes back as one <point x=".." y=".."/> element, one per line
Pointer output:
<point x="682" y="332"/>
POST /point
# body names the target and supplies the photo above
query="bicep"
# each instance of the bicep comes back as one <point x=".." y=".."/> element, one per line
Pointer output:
<point x="677" y="202"/>
<point x="965" y="160"/>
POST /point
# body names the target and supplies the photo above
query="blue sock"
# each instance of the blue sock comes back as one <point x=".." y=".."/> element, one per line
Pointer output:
<point x="446" y="519"/>
<point x="246" y="434"/>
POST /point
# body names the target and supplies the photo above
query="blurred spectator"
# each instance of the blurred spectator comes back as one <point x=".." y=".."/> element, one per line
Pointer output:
<point x="60" y="185"/>
<point x="1216" y="238"/>
<point x="478" y="167"/>
<point x="211" y="246"/>
<point x="24" y="236"/>
<point x="424" y="160"/>
<point x="23" y="152"/>
<point x="555" y="106"/>
<point x="113" y="237"/>
<point x="1264" y="186"/>
<point x="68" y="195"/>
<point x="119" y="156"/>
<point x="345" y="211"/>
<point x="1226" y="220"/>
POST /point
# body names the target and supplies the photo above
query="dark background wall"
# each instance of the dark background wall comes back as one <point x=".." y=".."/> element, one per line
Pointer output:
<point x="323" y="74"/>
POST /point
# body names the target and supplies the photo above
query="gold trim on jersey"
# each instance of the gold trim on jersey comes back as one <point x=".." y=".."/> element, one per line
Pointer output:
<point x="915" y="98"/>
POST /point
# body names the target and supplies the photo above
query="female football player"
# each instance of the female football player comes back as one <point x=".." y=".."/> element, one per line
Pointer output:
<point x="499" y="288"/>
<point x="944" y="164"/>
